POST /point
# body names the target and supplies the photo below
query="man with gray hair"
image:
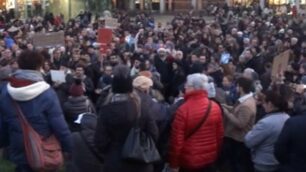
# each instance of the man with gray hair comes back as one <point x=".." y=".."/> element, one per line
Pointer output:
<point x="197" y="129"/>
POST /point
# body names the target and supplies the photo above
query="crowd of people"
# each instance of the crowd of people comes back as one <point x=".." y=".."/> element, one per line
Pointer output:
<point x="201" y="90"/>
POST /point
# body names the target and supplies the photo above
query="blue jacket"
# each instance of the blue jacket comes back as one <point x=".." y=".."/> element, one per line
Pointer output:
<point x="3" y="126"/>
<point x="40" y="105"/>
<point x="261" y="140"/>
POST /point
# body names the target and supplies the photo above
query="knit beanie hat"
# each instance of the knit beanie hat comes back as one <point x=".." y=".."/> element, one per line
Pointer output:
<point x="142" y="82"/>
<point x="76" y="90"/>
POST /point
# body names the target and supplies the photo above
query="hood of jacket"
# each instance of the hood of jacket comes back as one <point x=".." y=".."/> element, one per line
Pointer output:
<point x="27" y="92"/>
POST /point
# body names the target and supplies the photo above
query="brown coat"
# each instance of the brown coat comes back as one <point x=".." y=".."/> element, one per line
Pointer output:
<point x="241" y="120"/>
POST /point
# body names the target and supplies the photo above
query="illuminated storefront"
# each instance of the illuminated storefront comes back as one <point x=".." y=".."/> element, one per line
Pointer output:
<point x="164" y="5"/>
<point x="242" y="2"/>
<point x="285" y="2"/>
<point x="69" y="8"/>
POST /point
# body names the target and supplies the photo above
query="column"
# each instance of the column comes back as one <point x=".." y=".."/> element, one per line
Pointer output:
<point x="170" y="5"/>
<point x="69" y="9"/>
<point x="297" y="3"/>
<point x="194" y="4"/>
<point x="132" y="4"/>
<point x="200" y="5"/>
<point x="114" y="4"/>
<point x="262" y="4"/>
<point x="162" y="6"/>
<point x="141" y="4"/>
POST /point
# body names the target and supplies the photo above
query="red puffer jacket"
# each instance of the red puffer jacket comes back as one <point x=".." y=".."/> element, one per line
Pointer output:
<point x="202" y="148"/>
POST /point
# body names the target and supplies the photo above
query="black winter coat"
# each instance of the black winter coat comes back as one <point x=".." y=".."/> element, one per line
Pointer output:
<point x="114" y="123"/>
<point x="85" y="156"/>
<point x="290" y="149"/>
<point x="75" y="106"/>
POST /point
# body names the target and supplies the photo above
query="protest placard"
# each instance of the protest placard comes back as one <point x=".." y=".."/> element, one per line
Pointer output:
<point x="280" y="64"/>
<point x="111" y="23"/>
<point x="51" y="39"/>
<point x="105" y="37"/>
<point x="58" y="76"/>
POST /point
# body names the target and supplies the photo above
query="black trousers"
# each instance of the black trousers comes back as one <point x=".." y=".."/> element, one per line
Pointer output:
<point x="26" y="168"/>
<point x="23" y="168"/>
<point x="209" y="168"/>
<point x="235" y="157"/>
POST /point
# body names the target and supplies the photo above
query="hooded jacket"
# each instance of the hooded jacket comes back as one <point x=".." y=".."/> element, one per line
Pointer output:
<point x="41" y="108"/>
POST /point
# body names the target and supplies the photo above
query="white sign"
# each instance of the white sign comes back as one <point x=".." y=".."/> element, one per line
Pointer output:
<point x="58" y="76"/>
<point x="111" y="23"/>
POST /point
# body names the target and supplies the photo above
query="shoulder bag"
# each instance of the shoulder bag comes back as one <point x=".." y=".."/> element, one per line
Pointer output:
<point x="43" y="154"/>
<point x="139" y="146"/>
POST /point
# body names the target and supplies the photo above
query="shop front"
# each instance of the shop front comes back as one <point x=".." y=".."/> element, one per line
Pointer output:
<point x="24" y="8"/>
<point x="287" y="6"/>
<point x="162" y="5"/>
<point x="69" y="8"/>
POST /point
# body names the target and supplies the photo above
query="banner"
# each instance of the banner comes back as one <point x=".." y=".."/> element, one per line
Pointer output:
<point x="51" y="39"/>
<point x="280" y="64"/>
<point x="111" y="23"/>
<point x="105" y="37"/>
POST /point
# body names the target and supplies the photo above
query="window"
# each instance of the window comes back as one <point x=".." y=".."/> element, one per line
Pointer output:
<point x="278" y="2"/>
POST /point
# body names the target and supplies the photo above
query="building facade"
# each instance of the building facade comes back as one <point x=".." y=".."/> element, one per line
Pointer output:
<point x="71" y="8"/>
<point x="170" y="5"/>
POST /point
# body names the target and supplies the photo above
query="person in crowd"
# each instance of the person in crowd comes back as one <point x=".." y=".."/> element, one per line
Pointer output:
<point x="85" y="155"/>
<point x="57" y="59"/>
<point x="86" y="82"/>
<point x="77" y="104"/>
<point x="238" y="121"/>
<point x="229" y="88"/>
<point x="116" y="119"/>
<point x="178" y="78"/>
<point x="262" y="137"/>
<point x="39" y="105"/>
<point x="4" y="76"/>
<point x="106" y="78"/>
<point x="186" y="152"/>
<point x="6" y="57"/>
<point x="142" y="86"/>
<point x="235" y="42"/>
<point x="289" y="149"/>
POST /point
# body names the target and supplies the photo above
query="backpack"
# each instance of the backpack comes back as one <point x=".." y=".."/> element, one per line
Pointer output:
<point x="43" y="154"/>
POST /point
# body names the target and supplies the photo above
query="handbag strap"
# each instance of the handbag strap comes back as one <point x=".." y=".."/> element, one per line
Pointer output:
<point x="24" y="122"/>
<point x="137" y="101"/>
<point x="201" y="122"/>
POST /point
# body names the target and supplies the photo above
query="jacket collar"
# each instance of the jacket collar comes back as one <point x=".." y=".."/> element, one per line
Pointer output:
<point x="245" y="97"/>
<point x="195" y="94"/>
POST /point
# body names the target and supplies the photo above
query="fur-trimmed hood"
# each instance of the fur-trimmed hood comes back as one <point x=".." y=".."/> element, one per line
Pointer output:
<point x="29" y="92"/>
